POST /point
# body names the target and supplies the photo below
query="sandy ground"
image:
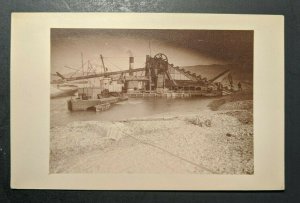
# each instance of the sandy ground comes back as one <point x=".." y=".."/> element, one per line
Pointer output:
<point x="218" y="140"/>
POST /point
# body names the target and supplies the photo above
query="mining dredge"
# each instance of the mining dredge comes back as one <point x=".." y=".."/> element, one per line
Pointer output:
<point x="158" y="78"/>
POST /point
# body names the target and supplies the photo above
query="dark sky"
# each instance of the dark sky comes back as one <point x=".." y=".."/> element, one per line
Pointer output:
<point x="183" y="47"/>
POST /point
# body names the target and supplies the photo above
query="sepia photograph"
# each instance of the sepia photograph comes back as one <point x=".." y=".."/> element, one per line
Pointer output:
<point x="151" y="101"/>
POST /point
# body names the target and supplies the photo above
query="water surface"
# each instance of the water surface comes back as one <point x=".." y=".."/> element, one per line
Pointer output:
<point x="132" y="108"/>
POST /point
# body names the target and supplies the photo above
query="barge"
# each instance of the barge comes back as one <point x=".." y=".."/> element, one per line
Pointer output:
<point x="79" y="104"/>
<point x="96" y="98"/>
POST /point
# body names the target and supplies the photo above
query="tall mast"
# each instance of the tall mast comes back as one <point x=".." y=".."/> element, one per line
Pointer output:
<point x="150" y="47"/>
<point x="82" y="64"/>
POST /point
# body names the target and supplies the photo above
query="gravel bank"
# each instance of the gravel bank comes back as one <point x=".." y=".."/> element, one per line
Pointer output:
<point x="204" y="142"/>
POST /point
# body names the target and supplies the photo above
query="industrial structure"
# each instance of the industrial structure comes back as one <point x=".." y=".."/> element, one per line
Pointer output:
<point x="157" y="78"/>
<point x="158" y="75"/>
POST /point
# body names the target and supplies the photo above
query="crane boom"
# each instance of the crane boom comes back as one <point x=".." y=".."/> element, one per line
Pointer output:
<point x="105" y="74"/>
<point x="216" y="77"/>
<point x="104" y="68"/>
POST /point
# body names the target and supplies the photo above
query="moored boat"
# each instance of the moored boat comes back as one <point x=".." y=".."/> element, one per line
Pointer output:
<point x="61" y="91"/>
<point x="93" y="98"/>
<point x="90" y="104"/>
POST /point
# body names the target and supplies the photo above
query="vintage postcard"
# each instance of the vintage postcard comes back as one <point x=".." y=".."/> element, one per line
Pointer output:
<point x="127" y="101"/>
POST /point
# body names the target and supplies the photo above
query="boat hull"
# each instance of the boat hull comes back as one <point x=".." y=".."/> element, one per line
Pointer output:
<point x="83" y="105"/>
<point x="63" y="93"/>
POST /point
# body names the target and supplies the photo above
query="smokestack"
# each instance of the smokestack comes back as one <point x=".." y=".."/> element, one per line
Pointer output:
<point x="131" y="64"/>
